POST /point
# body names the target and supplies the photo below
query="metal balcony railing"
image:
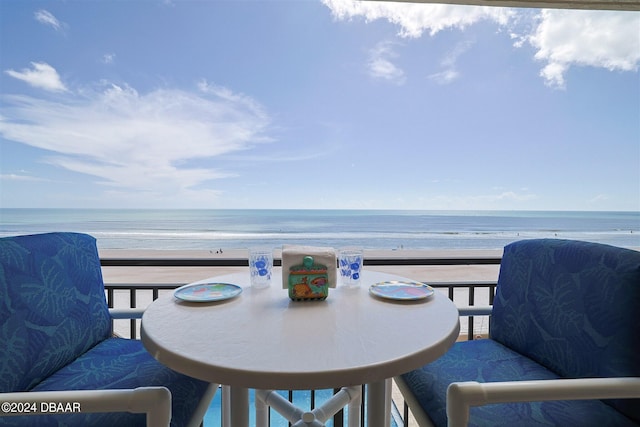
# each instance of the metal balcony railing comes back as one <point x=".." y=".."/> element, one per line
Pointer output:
<point x="463" y="293"/>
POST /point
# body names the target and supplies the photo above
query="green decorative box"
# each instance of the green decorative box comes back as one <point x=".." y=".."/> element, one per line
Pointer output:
<point x="308" y="281"/>
<point x="308" y="271"/>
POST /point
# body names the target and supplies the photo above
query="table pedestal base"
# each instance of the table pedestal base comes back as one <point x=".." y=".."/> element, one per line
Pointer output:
<point x="379" y="404"/>
<point x="235" y="407"/>
<point x="350" y="396"/>
<point x="239" y="398"/>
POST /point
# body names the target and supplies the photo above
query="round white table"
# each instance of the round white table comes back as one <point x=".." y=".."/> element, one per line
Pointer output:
<point x="263" y="340"/>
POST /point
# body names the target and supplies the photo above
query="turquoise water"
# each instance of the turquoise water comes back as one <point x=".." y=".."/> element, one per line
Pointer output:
<point x="371" y="229"/>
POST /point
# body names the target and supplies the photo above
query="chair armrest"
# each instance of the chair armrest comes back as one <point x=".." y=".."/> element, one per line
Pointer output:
<point x="479" y="310"/>
<point x="154" y="401"/>
<point x="461" y="396"/>
<point x="126" y="313"/>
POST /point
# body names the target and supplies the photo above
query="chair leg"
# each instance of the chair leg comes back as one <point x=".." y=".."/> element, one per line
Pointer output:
<point x="197" y="419"/>
<point x="418" y="413"/>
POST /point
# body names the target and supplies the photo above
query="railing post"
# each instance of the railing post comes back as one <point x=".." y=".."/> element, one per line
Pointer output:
<point x="472" y="300"/>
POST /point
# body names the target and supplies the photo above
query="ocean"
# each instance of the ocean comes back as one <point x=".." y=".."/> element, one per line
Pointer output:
<point x="370" y="229"/>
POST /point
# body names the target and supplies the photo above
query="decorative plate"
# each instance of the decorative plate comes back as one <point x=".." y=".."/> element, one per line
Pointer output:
<point x="398" y="290"/>
<point x="206" y="292"/>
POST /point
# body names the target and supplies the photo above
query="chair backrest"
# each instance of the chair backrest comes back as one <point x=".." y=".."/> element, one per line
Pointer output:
<point x="52" y="305"/>
<point x="573" y="307"/>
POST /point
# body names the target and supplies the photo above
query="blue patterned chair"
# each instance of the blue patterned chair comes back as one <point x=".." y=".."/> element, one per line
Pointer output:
<point x="564" y="334"/>
<point x="58" y="357"/>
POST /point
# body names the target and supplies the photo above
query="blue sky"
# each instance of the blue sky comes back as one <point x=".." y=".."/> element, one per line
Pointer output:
<point x="317" y="104"/>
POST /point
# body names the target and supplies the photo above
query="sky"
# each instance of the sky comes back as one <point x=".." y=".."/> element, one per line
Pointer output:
<point x="328" y="104"/>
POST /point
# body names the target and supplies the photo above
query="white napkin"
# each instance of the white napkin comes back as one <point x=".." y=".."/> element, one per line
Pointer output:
<point x="294" y="255"/>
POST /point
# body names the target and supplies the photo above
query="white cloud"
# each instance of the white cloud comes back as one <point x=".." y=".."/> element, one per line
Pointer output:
<point x="42" y="75"/>
<point x="449" y="63"/>
<point x="508" y="195"/>
<point x="600" y="39"/>
<point x="108" y="58"/>
<point x="444" y="77"/>
<point x="381" y="66"/>
<point x="236" y="98"/>
<point x="161" y="144"/>
<point x="562" y="38"/>
<point x="19" y="177"/>
<point x="47" y="18"/>
<point x="414" y="19"/>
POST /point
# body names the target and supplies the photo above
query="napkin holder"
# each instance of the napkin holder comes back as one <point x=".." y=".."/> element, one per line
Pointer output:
<point x="308" y="272"/>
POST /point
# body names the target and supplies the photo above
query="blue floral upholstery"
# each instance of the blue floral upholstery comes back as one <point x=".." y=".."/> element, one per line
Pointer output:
<point x="55" y="333"/>
<point x="563" y="309"/>
<point x="51" y="290"/>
